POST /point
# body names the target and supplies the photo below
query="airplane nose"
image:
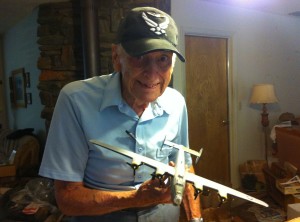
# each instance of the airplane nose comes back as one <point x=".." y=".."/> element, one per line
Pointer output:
<point x="177" y="199"/>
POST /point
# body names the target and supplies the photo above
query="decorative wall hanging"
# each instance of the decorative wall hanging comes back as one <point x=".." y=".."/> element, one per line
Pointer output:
<point x="17" y="83"/>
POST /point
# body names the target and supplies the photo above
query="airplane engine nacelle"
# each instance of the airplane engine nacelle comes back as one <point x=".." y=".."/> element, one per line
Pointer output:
<point x="198" y="189"/>
<point x="223" y="198"/>
<point x="136" y="163"/>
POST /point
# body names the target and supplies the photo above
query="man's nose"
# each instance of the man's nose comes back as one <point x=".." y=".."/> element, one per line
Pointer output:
<point x="151" y="66"/>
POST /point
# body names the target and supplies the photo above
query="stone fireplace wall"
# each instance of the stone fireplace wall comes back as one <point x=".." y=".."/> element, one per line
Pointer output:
<point x="60" y="43"/>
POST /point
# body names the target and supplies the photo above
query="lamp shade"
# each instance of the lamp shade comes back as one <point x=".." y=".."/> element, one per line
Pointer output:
<point x="263" y="93"/>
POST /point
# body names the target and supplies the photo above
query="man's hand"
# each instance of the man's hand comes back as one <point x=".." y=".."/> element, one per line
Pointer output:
<point x="72" y="196"/>
<point x="192" y="207"/>
<point x="156" y="191"/>
<point x="153" y="192"/>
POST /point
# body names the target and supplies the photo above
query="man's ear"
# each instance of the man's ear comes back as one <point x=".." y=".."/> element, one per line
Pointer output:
<point x="115" y="58"/>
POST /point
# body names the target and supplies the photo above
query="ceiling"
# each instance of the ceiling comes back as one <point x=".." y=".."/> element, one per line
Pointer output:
<point x="282" y="7"/>
<point x="11" y="11"/>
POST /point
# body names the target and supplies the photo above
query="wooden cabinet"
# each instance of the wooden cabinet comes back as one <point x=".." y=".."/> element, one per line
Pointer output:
<point x="288" y="145"/>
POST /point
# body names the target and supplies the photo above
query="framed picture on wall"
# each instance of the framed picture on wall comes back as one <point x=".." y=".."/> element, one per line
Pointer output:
<point x="18" y="85"/>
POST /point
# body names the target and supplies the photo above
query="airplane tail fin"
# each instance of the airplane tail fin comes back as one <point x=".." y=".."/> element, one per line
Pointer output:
<point x="198" y="157"/>
<point x="177" y="146"/>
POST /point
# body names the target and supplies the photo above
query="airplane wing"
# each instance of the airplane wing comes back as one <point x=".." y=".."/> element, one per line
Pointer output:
<point x="161" y="168"/>
<point x="199" y="182"/>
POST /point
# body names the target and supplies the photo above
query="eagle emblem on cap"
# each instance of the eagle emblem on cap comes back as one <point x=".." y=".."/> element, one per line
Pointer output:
<point x="153" y="20"/>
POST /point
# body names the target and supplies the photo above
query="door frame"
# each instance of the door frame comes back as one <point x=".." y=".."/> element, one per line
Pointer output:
<point x="179" y="83"/>
<point x="3" y="89"/>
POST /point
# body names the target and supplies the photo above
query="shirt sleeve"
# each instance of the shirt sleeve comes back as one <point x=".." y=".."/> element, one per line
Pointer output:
<point x="182" y="136"/>
<point x="66" y="150"/>
<point x="185" y="135"/>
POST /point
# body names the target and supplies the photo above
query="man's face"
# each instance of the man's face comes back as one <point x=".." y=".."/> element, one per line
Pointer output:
<point x="146" y="77"/>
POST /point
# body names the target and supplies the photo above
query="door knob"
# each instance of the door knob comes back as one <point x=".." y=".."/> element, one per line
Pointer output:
<point x="225" y="122"/>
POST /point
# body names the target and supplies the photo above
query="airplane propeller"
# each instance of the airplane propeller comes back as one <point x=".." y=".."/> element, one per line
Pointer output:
<point x="197" y="192"/>
<point x="158" y="176"/>
<point x="222" y="200"/>
<point x="163" y="178"/>
<point x="198" y="157"/>
<point x="223" y="197"/>
<point x="134" y="165"/>
<point x="206" y="192"/>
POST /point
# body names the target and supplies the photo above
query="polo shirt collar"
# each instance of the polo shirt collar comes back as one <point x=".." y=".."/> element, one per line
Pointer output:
<point x="164" y="102"/>
<point x="112" y="92"/>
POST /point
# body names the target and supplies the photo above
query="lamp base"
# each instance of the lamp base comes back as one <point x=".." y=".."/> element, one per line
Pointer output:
<point x="265" y="124"/>
<point x="264" y="116"/>
<point x="266" y="143"/>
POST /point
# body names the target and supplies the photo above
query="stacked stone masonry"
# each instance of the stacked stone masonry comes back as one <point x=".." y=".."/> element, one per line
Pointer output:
<point x="60" y="43"/>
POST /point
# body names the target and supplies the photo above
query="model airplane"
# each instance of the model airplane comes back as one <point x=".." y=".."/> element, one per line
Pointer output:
<point x="179" y="173"/>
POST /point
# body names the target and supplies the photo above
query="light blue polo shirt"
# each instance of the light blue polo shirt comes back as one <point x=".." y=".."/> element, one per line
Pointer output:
<point x="94" y="109"/>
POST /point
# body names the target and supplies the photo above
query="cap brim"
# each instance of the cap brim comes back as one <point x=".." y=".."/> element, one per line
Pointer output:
<point x="143" y="46"/>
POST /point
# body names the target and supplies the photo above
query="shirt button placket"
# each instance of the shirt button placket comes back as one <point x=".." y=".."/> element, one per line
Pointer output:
<point x="139" y="174"/>
<point x="139" y="150"/>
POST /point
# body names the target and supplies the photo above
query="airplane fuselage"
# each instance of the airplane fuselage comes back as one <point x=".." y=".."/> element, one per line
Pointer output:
<point x="178" y="181"/>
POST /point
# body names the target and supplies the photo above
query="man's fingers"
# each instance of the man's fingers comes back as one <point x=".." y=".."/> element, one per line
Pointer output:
<point x="171" y="163"/>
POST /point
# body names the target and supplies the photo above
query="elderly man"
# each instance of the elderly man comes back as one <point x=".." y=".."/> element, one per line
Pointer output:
<point x="94" y="184"/>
